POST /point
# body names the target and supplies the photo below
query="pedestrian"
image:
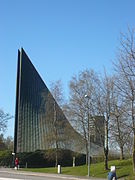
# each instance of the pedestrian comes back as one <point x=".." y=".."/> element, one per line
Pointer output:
<point x="111" y="176"/>
<point x="16" y="163"/>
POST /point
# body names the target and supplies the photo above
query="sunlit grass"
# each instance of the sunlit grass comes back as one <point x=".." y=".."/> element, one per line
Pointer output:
<point x="123" y="169"/>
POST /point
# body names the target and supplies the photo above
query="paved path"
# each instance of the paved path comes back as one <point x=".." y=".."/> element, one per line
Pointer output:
<point x="10" y="174"/>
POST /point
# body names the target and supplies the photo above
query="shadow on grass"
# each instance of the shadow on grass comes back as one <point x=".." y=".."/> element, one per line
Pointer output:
<point x="125" y="175"/>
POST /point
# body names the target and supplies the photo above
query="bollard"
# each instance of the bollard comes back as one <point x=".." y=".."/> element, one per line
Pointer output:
<point x="59" y="169"/>
<point x="73" y="161"/>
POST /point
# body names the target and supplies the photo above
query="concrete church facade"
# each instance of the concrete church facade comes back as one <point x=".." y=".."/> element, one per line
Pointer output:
<point x="39" y="121"/>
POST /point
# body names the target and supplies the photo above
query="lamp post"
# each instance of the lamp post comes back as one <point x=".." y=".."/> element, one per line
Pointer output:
<point x="89" y="155"/>
<point x="86" y="96"/>
<point x="56" y="140"/>
<point x="13" y="154"/>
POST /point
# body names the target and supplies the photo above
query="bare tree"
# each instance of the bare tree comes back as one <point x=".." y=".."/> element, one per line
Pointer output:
<point x="120" y="128"/>
<point x="56" y="89"/>
<point x="9" y="143"/>
<point x="4" y="117"/>
<point x="120" y="123"/>
<point x="125" y="68"/>
<point x="82" y="110"/>
<point x="57" y="92"/>
<point x="128" y="146"/>
<point x="105" y="99"/>
<point x="6" y="143"/>
<point x="2" y="143"/>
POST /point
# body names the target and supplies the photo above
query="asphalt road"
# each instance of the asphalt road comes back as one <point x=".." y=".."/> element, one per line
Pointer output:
<point x="11" y="174"/>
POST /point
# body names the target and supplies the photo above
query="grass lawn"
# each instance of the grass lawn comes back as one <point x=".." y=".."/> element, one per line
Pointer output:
<point x="123" y="169"/>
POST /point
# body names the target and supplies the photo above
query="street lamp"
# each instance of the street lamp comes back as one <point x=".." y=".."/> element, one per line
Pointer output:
<point x="86" y="96"/>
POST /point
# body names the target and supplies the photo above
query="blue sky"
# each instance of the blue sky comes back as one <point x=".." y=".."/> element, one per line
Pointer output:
<point x="61" y="37"/>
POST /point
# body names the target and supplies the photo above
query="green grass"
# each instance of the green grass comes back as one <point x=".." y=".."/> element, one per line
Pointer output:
<point x="123" y="169"/>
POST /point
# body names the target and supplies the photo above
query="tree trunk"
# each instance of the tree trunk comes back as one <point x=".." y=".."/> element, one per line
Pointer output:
<point x="106" y="145"/>
<point x="133" y="125"/>
<point x="56" y="158"/>
<point x="133" y="153"/>
<point x="106" y="158"/>
<point x="121" y="153"/>
<point x="56" y="151"/>
<point x="86" y="153"/>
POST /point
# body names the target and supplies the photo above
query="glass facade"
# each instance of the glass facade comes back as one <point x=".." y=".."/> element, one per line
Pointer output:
<point x="39" y="121"/>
